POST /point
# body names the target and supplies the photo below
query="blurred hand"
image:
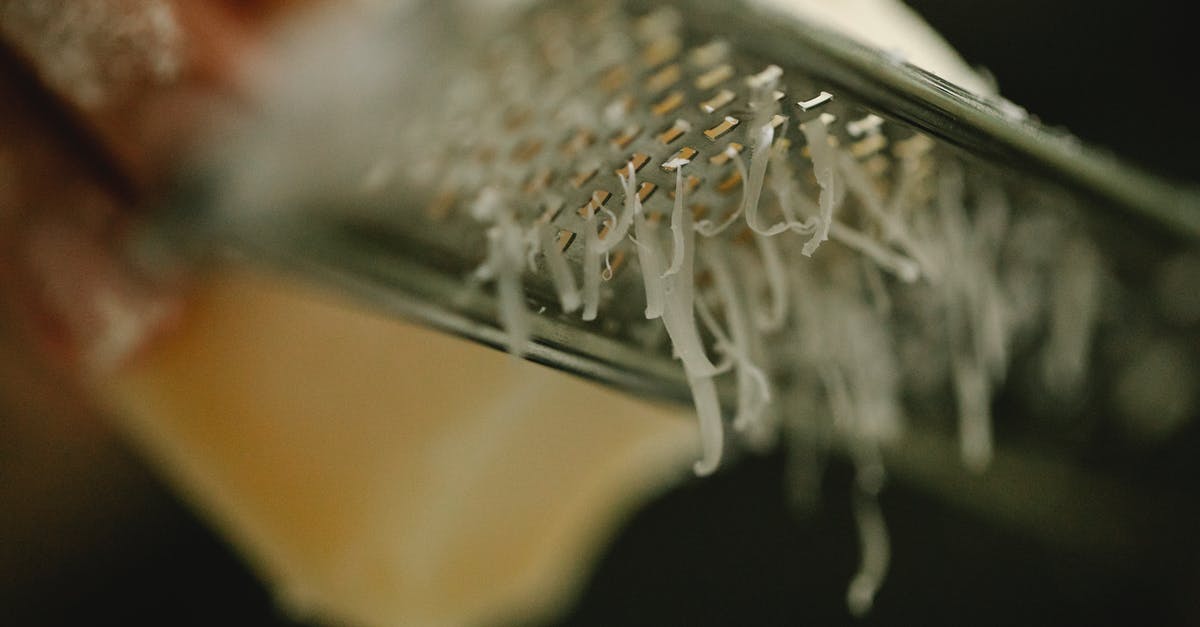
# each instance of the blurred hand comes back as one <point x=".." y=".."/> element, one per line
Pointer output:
<point x="101" y="100"/>
<point x="98" y="101"/>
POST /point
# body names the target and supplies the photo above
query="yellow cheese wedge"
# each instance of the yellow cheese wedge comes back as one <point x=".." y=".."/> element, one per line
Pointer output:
<point x="378" y="473"/>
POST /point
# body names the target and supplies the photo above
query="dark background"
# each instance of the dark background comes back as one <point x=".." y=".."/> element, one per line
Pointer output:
<point x="1120" y="74"/>
<point x="727" y="551"/>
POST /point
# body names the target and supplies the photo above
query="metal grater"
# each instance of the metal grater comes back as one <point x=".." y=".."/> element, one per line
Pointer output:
<point x="552" y="112"/>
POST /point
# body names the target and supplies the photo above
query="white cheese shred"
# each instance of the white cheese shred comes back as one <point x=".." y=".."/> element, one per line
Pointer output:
<point x="679" y="309"/>
<point x="507" y="247"/>
<point x="772" y="263"/>
<point x="712" y="431"/>
<point x="969" y="370"/>
<point x="875" y="553"/>
<point x="821" y="152"/>
<point x="679" y="318"/>
<point x="650" y="258"/>
<point x="560" y="271"/>
<point x="754" y="392"/>
<point x="592" y="255"/>
<point x="677" y="218"/>
<point x="894" y="231"/>
<point x="706" y="227"/>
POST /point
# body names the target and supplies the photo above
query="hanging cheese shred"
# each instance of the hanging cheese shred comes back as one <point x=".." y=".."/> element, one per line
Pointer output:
<point x="823" y="169"/>
<point x="560" y="271"/>
<point x="513" y="314"/>
<point x="679" y="318"/>
<point x="651" y="260"/>
<point x="532" y="246"/>
<point x="759" y="159"/>
<point x="893" y="231"/>
<point x="995" y="325"/>
<point x="1073" y="309"/>
<point x="904" y="268"/>
<point x="972" y="381"/>
<point x="909" y="167"/>
<point x="712" y="432"/>
<point x="706" y="227"/>
<point x="772" y="264"/>
<point x="679" y="309"/>
<point x="592" y="255"/>
<point x="875" y="554"/>
<point x="677" y="217"/>
<point x="633" y="206"/>
<point x="671" y="296"/>
<point x="973" y="392"/>
<point x="754" y="393"/>
<point x="783" y="184"/>
<point x="507" y="246"/>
